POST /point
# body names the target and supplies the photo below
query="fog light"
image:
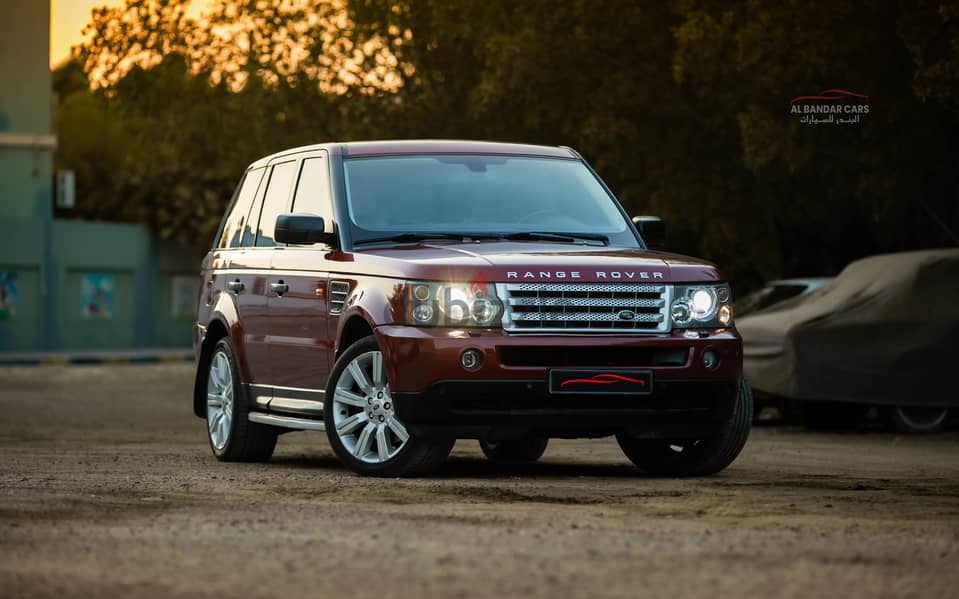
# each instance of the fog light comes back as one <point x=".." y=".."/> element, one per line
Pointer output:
<point x="710" y="359"/>
<point x="471" y="359"/>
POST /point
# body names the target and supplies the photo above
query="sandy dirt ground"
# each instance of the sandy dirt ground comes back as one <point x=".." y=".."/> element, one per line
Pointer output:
<point x="108" y="488"/>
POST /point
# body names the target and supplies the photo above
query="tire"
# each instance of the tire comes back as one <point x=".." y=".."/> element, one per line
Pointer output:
<point x="515" y="451"/>
<point x="915" y="419"/>
<point x="353" y="434"/>
<point x="694" y="457"/>
<point x="832" y="415"/>
<point x="232" y="437"/>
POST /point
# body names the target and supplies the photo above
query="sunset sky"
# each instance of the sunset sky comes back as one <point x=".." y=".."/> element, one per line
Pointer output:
<point x="68" y="17"/>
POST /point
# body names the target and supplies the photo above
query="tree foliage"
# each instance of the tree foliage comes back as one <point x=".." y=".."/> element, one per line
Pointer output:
<point x="683" y="109"/>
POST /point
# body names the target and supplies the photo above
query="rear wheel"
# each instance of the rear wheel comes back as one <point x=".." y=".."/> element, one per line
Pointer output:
<point x="915" y="419"/>
<point x="515" y="451"/>
<point x="361" y="421"/>
<point x="233" y="438"/>
<point x="694" y="457"/>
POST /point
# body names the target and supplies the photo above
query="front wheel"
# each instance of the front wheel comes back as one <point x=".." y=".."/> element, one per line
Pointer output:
<point x="361" y="421"/>
<point x="694" y="457"/>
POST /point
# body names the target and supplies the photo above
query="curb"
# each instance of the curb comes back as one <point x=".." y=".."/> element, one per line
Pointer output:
<point x="68" y="360"/>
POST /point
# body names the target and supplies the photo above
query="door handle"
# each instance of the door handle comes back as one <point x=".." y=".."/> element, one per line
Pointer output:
<point x="279" y="287"/>
<point x="236" y="286"/>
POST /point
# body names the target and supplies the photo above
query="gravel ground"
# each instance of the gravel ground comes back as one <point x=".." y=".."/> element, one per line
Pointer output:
<point x="108" y="488"/>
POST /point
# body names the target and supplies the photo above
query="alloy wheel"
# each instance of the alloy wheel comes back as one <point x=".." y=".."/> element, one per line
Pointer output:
<point x="219" y="400"/>
<point x="364" y="417"/>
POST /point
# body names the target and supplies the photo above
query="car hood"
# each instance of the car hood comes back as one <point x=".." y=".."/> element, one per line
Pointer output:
<point x="505" y="261"/>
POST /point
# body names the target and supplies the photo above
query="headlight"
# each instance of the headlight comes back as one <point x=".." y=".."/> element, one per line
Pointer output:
<point x="452" y="304"/>
<point x="701" y="306"/>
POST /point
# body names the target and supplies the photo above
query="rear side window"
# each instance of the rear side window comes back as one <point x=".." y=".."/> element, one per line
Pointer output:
<point x="276" y="201"/>
<point x="313" y="191"/>
<point x="238" y="218"/>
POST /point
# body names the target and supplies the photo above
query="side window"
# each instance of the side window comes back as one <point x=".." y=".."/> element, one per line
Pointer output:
<point x="249" y="231"/>
<point x="240" y="210"/>
<point x="313" y="191"/>
<point x="276" y="201"/>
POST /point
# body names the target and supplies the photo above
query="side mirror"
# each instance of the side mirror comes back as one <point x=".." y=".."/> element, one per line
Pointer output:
<point x="653" y="231"/>
<point x="302" y="229"/>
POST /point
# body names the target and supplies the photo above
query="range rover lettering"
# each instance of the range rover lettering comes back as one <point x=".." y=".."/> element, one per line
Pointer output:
<point x="402" y="295"/>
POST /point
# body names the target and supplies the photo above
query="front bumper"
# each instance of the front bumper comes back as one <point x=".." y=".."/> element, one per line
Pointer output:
<point x="508" y="394"/>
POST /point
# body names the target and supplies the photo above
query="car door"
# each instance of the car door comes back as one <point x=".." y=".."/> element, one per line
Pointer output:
<point x="300" y="346"/>
<point x="241" y="272"/>
<point x="251" y="266"/>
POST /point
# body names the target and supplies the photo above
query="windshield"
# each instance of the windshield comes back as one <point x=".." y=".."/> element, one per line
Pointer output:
<point x="483" y="194"/>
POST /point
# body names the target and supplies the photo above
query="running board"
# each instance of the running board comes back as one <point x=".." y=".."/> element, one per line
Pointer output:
<point x="288" y="421"/>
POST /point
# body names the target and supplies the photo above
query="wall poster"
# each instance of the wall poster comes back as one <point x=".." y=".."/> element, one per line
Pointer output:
<point x="96" y="295"/>
<point x="8" y="294"/>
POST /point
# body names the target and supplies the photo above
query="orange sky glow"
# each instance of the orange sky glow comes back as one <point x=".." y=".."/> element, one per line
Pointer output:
<point x="68" y="18"/>
<point x="369" y="67"/>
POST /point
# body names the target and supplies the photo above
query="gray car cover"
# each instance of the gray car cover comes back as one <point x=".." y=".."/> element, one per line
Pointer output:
<point x="885" y="331"/>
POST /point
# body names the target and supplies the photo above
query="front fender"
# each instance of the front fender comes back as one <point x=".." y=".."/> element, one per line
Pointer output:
<point x="377" y="301"/>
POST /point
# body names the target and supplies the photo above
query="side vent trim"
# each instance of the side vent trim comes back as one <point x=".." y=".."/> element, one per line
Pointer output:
<point x="339" y="290"/>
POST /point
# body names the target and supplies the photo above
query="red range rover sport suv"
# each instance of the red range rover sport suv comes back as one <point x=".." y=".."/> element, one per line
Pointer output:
<point x="401" y="295"/>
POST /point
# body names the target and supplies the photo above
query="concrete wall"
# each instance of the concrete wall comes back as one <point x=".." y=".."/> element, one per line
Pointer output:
<point x="21" y="269"/>
<point x="139" y="277"/>
<point x="25" y="109"/>
<point x="70" y="284"/>
<point x="24" y="58"/>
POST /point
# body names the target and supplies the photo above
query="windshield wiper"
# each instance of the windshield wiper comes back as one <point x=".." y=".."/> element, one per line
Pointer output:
<point x="547" y="236"/>
<point x="519" y="236"/>
<point x="414" y="237"/>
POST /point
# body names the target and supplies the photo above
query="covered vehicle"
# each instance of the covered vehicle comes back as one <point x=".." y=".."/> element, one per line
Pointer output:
<point x="883" y="333"/>
<point x="774" y="293"/>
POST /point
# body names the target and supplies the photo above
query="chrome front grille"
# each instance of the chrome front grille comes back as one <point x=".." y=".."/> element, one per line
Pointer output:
<point x="585" y="307"/>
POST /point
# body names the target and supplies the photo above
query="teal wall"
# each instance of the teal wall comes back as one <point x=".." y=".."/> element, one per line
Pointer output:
<point x="25" y="173"/>
<point x="139" y="311"/>
<point x="26" y="182"/>
<point x="21" y="253"/>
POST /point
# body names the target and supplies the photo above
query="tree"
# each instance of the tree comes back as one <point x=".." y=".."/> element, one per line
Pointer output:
<point x="682" y="109"/>
<point x="836" y="193"/>
<point x="594" y="75"/>
<point x="139" y="33"/>
<point x="179" y="126"/>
